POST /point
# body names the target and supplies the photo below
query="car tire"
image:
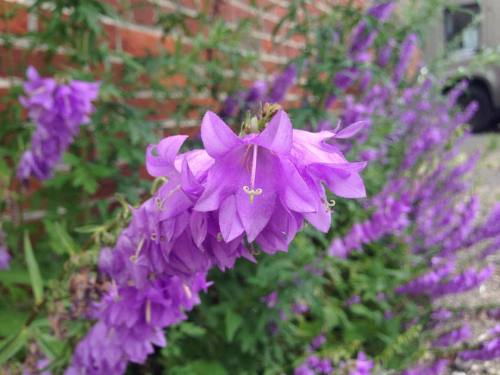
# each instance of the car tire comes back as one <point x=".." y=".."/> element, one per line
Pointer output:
<point x="483" y="118"/>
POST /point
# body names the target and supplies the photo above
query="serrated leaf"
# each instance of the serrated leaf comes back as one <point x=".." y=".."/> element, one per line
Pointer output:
<point x="233" y="322"/>
<point x="33" y="270"/>
<point x="60" y="238"/>
<point x="13" y="345"/>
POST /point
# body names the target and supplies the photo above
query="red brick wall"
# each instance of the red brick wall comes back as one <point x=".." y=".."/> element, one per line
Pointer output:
<point x="136" y="34"/>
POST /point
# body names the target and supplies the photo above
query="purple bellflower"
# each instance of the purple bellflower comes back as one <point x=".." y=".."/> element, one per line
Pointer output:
<point x="58" y="110"/>
<point x="262" y="185"/>
<point x="265" y="184"/>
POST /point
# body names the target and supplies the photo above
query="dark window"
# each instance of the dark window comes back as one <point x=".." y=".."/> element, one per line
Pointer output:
<point x="461" y="28"/>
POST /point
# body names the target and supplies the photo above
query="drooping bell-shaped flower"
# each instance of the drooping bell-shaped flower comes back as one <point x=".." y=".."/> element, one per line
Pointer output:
<point x="263" y="184"/>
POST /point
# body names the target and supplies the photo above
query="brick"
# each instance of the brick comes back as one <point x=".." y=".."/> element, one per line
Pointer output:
<point x="162" y="109"/>
<point x="144" y="12"/>
<point x="139" y="43"/>
<point x="16" y="59"/>
<point x="137" y="36"/>
<point x="13" y="18"/>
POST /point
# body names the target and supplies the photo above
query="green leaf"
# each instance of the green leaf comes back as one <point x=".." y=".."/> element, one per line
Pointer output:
<point x="13" y="276"/>
<point x="233" y="322"/>
<point x="61" y="241"/>
<point x="11" y="320"/>
<point x="34" y="271"/>
<point x="13" y="345"/>
<point x="192" y="329"/>
<point x="87" y="229"/>
<point x="50" y="345"/>
<point x="200" y="367"/>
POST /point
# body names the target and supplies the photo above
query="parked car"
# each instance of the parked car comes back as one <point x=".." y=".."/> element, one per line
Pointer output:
<point x="465" y="28"/>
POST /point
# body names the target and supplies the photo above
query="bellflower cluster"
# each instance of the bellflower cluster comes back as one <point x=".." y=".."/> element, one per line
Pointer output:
<point x="363" y="36"/>
<point x="469" y="279"/>
<point x="438" y="367"/>
<point x="58" y="110"/>
<point x="443" y="213"/>
<point x="390" y="219"/>
<point x="425" y="199"/>
<point x="258" y="187"/>
<point x="314" y="364"/>
<point x="361" y="41"/>
<point x="423" y="284"/>
<point x="453" y="337"/>
<point x="439" y="281"/>
<point x="488" y="230"/>
<point x="406" y="51"/>
<point x="487" y="351"/>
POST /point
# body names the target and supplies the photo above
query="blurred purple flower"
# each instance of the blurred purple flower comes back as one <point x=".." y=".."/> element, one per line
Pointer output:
<point x="271" y="299"/>
<point x="4" y="252"/>
<point x="386" y="52"/>
<point x="364" y="365"/>
<point x="453" y="337"/>
<point x="405" y="53"/>
<point x="438" y="367"/>
<point x="4" y="258"/>
<point x="300" y="308"/>
<point x="488" y="351"/>
<point x="318" y="342"/>
<point x="282" y="84"/>
<point x="58" y="110"/>
<point x="441" y="315"/>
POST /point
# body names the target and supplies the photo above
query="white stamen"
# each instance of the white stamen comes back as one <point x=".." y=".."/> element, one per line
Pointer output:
<point x="219" y="237"/>
<point x="329" y="205"/>
<point x="251" y="191"/>
<point x="187" y="291"/>
<point x="148" y="311"/>
<point x="134" y="257"/>
<point x="159" y="202"/>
